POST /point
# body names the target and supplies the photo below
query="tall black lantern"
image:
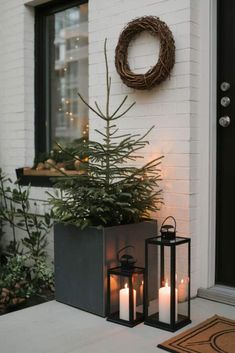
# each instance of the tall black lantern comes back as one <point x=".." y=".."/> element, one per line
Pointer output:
<point x="125" y="291"/>
<point x="167" y="286"/>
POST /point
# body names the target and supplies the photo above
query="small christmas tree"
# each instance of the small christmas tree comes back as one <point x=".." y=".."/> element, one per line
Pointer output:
<point x="109" y="191"/>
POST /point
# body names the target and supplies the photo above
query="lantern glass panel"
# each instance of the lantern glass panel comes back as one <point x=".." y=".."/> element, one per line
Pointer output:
<point x="120" y="286"/>
<point x="160" y="283"/>
<point x="153" y="279"/>
<point x="182" y="271"/>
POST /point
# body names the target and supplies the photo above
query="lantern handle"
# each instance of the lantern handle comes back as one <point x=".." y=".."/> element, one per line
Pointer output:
<point x="167" y="219"/>
<point x="125" y="247"/>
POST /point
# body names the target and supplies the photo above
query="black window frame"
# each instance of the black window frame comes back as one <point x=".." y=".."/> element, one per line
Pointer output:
<point x="40" y="79"/>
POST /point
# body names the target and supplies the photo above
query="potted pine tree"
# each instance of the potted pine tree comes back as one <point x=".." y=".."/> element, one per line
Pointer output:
<point x="104" y="208"/>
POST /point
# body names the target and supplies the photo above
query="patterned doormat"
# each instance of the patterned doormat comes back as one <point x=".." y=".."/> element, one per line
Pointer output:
<point x="216" y="334"/>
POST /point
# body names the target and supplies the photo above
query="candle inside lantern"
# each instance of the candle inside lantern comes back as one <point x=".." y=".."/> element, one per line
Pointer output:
<point x="165" y="303"/>
<point x="182" y="288"/>
<point x="124" y="303"/>
<point x="141" y="291"/>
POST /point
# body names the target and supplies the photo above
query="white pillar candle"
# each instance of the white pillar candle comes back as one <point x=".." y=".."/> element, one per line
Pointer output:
<point x="124" y="303"/>
<point x="182" y="288"/>
<point x="165" y="304"/>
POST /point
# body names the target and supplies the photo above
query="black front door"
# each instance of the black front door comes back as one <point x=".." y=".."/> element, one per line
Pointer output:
<point x="225" y="239"/>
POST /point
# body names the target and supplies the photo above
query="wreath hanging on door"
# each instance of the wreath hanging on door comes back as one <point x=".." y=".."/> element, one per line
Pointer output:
<point x="166" y="60"/>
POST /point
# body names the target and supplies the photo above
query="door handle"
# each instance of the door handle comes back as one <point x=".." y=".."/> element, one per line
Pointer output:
<point x="224" y="86"/>
<point x="225" y="101"/>
<point x="224" y="121"/>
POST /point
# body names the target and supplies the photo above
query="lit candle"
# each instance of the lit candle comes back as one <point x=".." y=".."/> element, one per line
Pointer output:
<point x="182" y="288"/>
<point x="124" y="303"/>
<point x="165" y="303"/>
<point x="141" y="291"/>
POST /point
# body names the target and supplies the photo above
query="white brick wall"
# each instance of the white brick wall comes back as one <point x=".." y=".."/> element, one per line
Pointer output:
<point x="172" y="107"/>
<point x="16" y="74"/>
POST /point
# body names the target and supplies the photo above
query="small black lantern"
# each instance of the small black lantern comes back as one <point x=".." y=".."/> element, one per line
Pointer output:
<point x="167" y="285"/>
<point x="125" y="292"/>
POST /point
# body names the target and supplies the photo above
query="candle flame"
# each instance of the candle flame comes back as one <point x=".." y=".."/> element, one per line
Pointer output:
<point x="166" y="285"/>
<point x="182" y="281"/>
<point x="142" y="282"/>
<point x="126" y="286"/>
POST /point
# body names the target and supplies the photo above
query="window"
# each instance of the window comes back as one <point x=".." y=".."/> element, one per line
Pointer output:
<point x="61" y="70"/>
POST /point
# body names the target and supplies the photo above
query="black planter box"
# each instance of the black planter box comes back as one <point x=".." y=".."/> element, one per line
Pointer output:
<point x="83" y="257"/>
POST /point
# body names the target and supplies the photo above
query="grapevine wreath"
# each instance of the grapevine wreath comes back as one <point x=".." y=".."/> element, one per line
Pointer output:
<point x="166" y="60"/>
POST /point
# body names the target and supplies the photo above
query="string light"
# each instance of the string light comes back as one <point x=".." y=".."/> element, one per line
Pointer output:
<point x="68" y="102"/>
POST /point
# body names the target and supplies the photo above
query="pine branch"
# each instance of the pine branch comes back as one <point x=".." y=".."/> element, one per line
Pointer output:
<point x="90" y="107"/>
<point x="99" y="110"/>
<point x="113" y="133"/>
<point x="127" y="110"/>
<point x="101" y="133"/>
<point x="119" y="107"/>
<point x="108" y="80"/>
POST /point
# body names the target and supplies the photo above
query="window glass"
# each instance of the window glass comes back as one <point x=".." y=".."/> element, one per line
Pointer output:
<point x="67" y="72"/>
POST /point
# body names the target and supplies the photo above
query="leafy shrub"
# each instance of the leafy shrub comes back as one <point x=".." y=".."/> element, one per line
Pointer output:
<point x="24" y="270"/>
<point x="15" y="286"/>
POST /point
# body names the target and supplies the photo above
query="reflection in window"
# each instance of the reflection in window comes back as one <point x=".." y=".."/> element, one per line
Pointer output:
<point x="67" y="117"/>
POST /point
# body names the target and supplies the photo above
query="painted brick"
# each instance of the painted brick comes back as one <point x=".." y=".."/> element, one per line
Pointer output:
<point x="172" y="107"/>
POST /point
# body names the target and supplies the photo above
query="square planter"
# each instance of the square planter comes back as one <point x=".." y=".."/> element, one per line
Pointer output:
<point x="82" y="258"/>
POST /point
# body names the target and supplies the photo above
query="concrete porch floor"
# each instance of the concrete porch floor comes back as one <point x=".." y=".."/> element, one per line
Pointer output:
<point x="56" y="328"/>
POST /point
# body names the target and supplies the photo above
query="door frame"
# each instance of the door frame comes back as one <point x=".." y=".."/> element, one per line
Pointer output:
<point x="208" y="141"/>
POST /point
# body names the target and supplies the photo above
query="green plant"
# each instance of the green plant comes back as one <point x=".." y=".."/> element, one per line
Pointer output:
<point x="1" y="234"/>
<point x="62" y="156"/>
<point x="16" y="211"/>
<point x="7" y="210"/>
<point x="15" y="287"/>
<point x="20" y="279"/>
<point x="111" y="190"/>
<point x="24" y="271"/>
<point x="42" y="276"/>
<point x="3" y="259"/>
